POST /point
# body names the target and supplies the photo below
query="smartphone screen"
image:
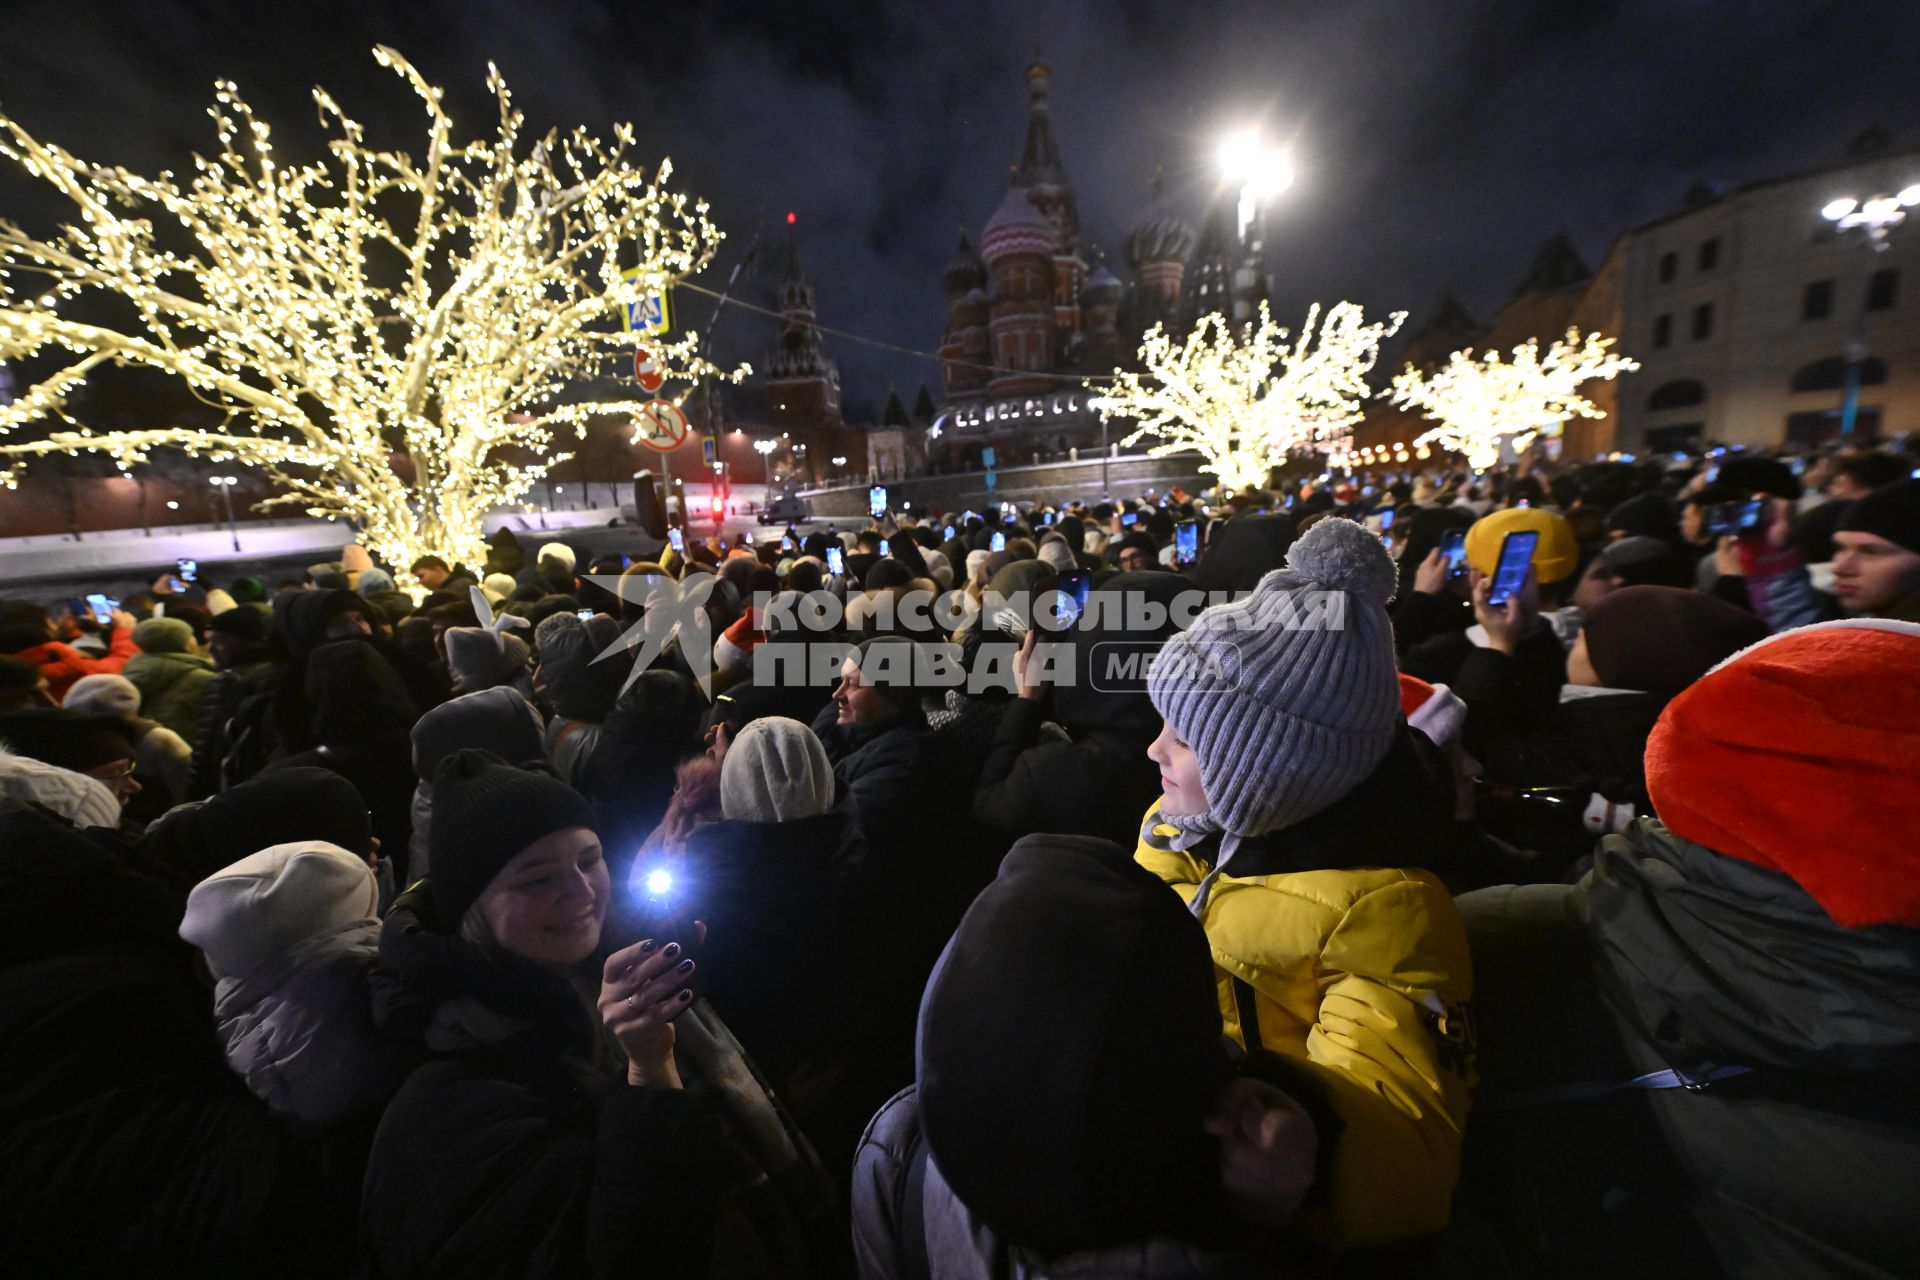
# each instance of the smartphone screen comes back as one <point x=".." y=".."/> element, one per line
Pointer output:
<point x="999" y="542"/>
<point x="877" y="500"/>
<point x="949" y="537"/>
<point x="786" y="544"/>
<point x="1074" y="586"/>
<point x="1453" y="552"/>
<point x="189" y="569"/>
<point x="1186" y="543"/>
<point x="1046" y="518"/>
<point x="1130" y="519"/>
<point x="677" y="540"/>
<point x="836" y="562"/>
<point x="585" y="615"/>
<point x="1386" y="518"/>
<point x="886" y="547"/>
<point x="1516" y="556"/>
<point x="102" y="608"/>
<point x="1729" y="518"/>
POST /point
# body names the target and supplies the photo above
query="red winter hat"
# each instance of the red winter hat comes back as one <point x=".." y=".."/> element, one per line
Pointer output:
<point x="1799" y="754"/>
<point x="1433" y="709"/>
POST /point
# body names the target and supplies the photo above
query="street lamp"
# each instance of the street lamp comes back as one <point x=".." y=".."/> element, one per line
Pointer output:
<point x="1261" y="173"/>
<point x="225" y="485"/>
<point x="763" y="448"/>
<point x="1876" y="216"/>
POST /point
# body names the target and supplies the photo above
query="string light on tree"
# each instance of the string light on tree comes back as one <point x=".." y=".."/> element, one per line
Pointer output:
<point x="1478" y="403"/>
<point x="1245" y="402"/>
<point x="384" y="333"/>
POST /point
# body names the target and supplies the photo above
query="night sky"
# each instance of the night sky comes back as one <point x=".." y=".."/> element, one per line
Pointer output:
<point x="1436" y="144"/>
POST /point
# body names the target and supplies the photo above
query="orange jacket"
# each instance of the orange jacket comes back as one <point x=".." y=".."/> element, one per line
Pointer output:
<point x="62" y="664"/>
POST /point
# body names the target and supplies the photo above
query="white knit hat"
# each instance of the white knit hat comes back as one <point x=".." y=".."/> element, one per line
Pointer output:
<point x="269" y="902"/>
<point x="83" y="801"/>
<point x="776" y="771"/>
<point x="106" y="694"/>
<point x="559" y="551"/>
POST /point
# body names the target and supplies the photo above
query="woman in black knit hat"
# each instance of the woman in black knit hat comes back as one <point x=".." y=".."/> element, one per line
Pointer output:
<point x="548" y="1134"/>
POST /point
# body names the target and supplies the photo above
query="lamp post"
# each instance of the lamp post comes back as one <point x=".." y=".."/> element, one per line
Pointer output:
<point x="225" y="485"/>
<point x="1876" y="216"/>
<point x="1261" y="172"/>
<point x="764" y="448"/>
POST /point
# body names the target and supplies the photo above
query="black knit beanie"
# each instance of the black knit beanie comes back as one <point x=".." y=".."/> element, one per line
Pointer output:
<point x="1065" y="1072"/>
<point x="485" y="811"/>
<point x="1891" y="512"/>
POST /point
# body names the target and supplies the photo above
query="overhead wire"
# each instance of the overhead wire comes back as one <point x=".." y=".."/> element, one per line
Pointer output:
<point x="1074" y="379"/>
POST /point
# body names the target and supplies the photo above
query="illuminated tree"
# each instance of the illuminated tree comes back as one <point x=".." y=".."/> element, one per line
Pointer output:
<point x="1480" y="402"/>
<point x="392" y="340"/>
<point x="1246" y="401"/>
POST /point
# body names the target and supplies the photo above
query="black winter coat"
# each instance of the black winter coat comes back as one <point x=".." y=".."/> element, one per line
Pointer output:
<point x="1669" y="955"/>
<point x="784" y="903"/>
<point x="1596" y="743"/>
<point x="513" y="1154"/>
<point x="236" y="730"/>
<point x="1096" y="785"/>
<point x="127" y="1146"/>
<point x="1504" y="693"/>
<point x="886" y="769"/>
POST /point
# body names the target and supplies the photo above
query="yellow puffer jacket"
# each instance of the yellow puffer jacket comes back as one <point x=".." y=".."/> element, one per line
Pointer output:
<point x="1361" y="978"/>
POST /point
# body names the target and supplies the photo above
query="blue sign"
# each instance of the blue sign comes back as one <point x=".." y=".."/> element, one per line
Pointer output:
<point x="706" y="449"/>
<point x="992" y="480"/>
<point x="650" y="314"/>
<point x="986" y="457"/>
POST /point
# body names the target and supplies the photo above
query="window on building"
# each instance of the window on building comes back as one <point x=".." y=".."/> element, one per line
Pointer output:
<point x="1702" y="321"/>
<point x="1816" y="301"/>
<point x="1883" y="288"/>
<point x="1662" y="330"/>
<point x="1811" y="428"/>
<point x="1830" y="374"/>
<point x="1709" y="254"/>
<point x="1669" y="263"/>
<point x="1681" y="393"/>
<point x="1673" y="439"/>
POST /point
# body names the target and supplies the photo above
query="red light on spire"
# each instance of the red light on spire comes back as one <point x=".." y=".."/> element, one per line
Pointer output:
<point x="792" y="217"/>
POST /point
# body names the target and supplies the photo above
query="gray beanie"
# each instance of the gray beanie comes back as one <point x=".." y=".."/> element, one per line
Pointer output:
<point x="1289" y="697"/>
<point x="776" y="771"/>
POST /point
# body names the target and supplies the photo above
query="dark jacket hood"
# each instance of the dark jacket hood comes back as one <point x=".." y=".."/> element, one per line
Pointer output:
<point x="1722" y="962"/>
<point x="355" y="697"/>
<point x="578" y="687"/>
<point x="300" y="618"/>
<point x="1244" y="550"/>
<point x="1112" y="645"/>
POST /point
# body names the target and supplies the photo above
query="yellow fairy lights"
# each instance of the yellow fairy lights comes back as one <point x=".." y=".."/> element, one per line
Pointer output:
<point x="1477" y="403"/>
<point x="381" y="331"/>
<point x="1246" y="402"/>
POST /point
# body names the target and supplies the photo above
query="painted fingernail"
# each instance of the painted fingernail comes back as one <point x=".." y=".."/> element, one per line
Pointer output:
<point x="673" y="949"/>
<point x="685" y="996"/>
<point x="647" y="946"/>
<point x="686" y="966"/>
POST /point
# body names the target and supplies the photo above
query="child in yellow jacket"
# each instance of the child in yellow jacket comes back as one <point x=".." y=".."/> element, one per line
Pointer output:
<point x="1292" y="793"/>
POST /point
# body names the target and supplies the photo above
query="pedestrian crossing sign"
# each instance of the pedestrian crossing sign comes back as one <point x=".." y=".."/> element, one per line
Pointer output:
<point x="651" y="313"/>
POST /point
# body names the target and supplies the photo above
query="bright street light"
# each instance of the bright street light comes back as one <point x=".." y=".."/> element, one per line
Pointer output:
<point x="1261" y="172"/>
<point x="1876" y="216"/>
<point x="765" y="449"/>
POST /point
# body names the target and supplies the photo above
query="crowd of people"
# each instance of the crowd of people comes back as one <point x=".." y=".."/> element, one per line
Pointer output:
<point x="1392" y="874"/>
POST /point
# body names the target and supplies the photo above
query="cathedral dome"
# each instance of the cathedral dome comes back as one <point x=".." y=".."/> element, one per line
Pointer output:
<point x="972" y="308"/>
<point x="1102" y="287"/>
<point x="1161" y="236"/>
<point x="1016" y="228"/>
<point x="965" y="270"/>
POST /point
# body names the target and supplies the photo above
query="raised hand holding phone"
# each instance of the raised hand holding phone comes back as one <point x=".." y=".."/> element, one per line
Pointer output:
<point x="1509" y="622"/>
